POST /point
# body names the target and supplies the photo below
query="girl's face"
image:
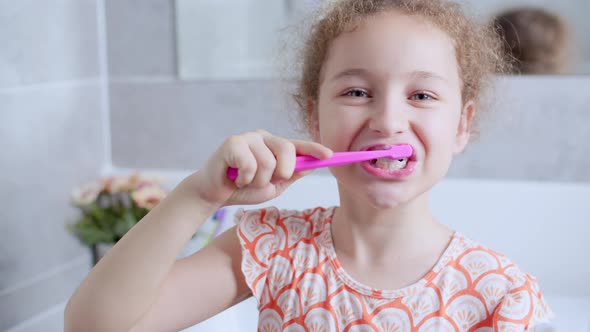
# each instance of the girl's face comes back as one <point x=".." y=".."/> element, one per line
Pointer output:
<point x="393" y="80"/>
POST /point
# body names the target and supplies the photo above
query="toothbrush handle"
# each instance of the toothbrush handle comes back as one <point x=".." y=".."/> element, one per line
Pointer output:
<point x="308" y="162"/>
<point x="343" y="158"/>
<point x="337" y="159"/>
<point x="340" y="158"/>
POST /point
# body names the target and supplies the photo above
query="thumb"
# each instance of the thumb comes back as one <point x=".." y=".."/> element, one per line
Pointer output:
<point x="313" y="149"/>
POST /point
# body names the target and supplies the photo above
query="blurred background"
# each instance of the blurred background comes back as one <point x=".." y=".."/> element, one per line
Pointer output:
<point x="95" y="88"/>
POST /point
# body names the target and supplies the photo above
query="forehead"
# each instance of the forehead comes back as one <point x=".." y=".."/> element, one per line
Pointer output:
<point x="393" y="44"/>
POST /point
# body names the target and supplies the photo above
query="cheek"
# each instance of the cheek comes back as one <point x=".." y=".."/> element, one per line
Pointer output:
<point x="333" y="131"/>
<point x="438" y="133"/>
<point x="336" y="125"/>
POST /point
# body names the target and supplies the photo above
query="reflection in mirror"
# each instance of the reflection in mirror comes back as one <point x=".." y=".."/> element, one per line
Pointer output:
<point x="543" y="37"/>
<point x="537" y="40"/>
<point x="238" y="39"/>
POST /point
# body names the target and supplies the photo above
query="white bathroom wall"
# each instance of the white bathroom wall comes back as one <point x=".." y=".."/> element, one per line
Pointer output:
<point x="52" y="138"/>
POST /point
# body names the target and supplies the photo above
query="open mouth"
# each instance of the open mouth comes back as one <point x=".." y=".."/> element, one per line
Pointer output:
<point x="389" y="165"/>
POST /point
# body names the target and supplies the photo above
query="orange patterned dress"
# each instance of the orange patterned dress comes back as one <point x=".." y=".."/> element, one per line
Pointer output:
<point x="291" y="267"/>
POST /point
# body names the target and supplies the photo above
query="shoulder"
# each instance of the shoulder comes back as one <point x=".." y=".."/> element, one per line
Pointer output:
<point x="292" y="224"/>
<point x="510" y="295"/>
<point x="272" y="240"/>
<point x="478" y="261"/>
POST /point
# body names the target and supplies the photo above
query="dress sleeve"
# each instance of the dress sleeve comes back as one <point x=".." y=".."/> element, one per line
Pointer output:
<point x="256" y="231"/>
<point x="523" y="308"/>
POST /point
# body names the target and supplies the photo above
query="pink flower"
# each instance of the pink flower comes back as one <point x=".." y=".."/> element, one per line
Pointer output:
<point x="148" y="196"/>
<point x="146" y="190"/>
<point x="86" y="194"/>
<point x="115" y="184"/>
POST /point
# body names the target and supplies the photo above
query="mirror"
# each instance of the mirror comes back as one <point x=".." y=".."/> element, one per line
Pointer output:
<point x="555" y="32"/>
<point x="238" y="39"/>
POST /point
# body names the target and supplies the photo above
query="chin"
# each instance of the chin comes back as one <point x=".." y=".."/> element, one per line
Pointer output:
<point x="387" y="200"/>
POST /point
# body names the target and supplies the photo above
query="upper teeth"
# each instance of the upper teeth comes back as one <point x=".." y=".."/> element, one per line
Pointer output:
<point x="391" y="164"/>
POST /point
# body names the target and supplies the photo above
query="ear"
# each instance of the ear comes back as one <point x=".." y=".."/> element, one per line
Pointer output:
<point x="464" y="127"/>
<point x="313" y="123"/>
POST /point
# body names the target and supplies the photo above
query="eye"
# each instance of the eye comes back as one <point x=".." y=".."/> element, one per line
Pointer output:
<point x="422" y="96"/>
<point x="357" y="93"/>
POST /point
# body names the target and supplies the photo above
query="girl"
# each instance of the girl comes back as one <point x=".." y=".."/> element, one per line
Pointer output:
<point x="375" y="73"/>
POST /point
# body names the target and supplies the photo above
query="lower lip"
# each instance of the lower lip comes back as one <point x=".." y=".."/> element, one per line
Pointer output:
<point x="386" y="174"/>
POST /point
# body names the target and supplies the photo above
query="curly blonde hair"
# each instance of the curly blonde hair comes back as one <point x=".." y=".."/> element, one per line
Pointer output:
<point x="479" y="49"/>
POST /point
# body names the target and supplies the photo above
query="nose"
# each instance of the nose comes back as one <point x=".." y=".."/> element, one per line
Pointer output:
<point x="388" y="118"/>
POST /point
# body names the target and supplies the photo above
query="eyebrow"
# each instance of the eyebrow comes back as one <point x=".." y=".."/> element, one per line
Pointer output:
<point x="350" y="72"/>
<point x="427" y="75"/>
<point x="420" y="74"/>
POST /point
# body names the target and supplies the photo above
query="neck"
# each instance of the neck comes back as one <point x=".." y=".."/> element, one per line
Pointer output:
<point x="375" y="234"/>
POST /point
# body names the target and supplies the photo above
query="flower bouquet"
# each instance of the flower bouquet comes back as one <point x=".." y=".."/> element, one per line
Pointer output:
<point x="110" y="207"/>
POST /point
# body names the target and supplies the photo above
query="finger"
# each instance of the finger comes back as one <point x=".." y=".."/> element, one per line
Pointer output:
<point x="265" y="161"/>
<point x="239" y="156"/>
<point x="312" y="149"/>
<point x="284" y="152"/>
<point x="263" y="133"/>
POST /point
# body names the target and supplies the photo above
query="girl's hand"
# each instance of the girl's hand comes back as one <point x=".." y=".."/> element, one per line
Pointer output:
<point x="265" y="164"/>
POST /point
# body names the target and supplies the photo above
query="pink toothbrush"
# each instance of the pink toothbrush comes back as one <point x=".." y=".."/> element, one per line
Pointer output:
<point x="341" y="158"/>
